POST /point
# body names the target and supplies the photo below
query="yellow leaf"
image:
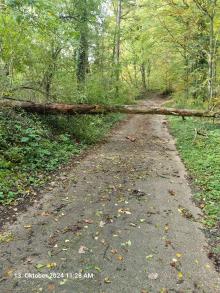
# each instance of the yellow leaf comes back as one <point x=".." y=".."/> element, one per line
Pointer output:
<point x="28" y="226"/>
<point x="51" y="265"/>
<point x="120" y="257"/>
<point x="107" y="280"/>
<point x="180" y="275"/>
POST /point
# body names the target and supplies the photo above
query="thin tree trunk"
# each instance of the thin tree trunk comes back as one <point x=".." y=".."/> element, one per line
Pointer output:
<point x="211" y="60"/>
<point x="118" y="46"/>
<point x="143" y="77"/>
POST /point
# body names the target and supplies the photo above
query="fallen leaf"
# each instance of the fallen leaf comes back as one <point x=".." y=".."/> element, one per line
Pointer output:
<point x="173" y="263"/>
<point x="120" y="257"/>
<point x="28" y="226"/>
<point x="103" y="241"/>
<point x="40" y="266"/>
<point x="132" y="139"/>
<point x="63" y="282"/>
<point x="45" y="214"/>
<point x="88" y="221"/>
<point x="166" y="228"/>
<point x="124" y="211"/>
<point x="114" y="251"/>
<point x="153" y="276"/>
<point x="180" y="275"/>
<point x="29" y="259"/>
<point x="6" y="237"/>
<point x="8" y="273"/>
<point x="150" y="256"/>
<point x="82" y="249"/>
<point x="178" y="255"/>
<point x="167" y="243"/>
<point x="101" y="224"/>
<point x="51" y="265"/>
<point x="186" y="213"/>
<point x="98" y="213"/>
<point x="171" y="192"/>
<point x="107" y="280"/>
<point x="132" y="225"/>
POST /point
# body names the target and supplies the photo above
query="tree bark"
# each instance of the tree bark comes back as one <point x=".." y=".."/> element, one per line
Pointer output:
<point x="82" y="54"/>
<point x="143" y="77"/>
<point x="55" y="108"/>
<point x="118" y="46"/>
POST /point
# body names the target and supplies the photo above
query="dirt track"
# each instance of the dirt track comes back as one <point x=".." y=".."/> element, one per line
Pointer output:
<point x="125" y="215"/>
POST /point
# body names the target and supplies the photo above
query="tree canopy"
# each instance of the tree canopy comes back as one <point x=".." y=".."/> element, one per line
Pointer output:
<point x="109" y="51"/>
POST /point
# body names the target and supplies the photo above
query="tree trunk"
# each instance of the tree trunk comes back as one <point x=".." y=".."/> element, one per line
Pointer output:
<point x="211" y="60"/>
<point x="55" y="108"/>
<point x="118" y="45"/>
<point x="82" y="54"/>
<point x="143" y="77"/>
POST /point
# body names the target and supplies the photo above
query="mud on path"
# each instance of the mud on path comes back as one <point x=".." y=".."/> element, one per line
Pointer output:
<point x="126" y="215"/>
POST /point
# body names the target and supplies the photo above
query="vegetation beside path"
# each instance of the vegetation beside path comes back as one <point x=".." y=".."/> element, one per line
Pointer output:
<point x="198" y="143"/>
<point x="32" y="147"/>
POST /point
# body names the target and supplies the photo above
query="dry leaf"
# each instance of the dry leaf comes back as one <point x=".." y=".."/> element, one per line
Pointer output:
<point x="107" y="280"/>
<point x="51" y="265"/>
<point x="88" y="221"/>
<point x="133" y="225"/>
<point x="45" y="214"/>
<point x="124" y="211"/>
<point x="173" y="263"/>
<point x="166" y="228"/>
<point x="132" y="139"/>
<point x="82" y="249"/>
<point x="8" y="273"/>
<point x="171" y="192"/>
<point x="101" y="224"/>
<point x="120" y="257"/>
<point x="28" y="226"/>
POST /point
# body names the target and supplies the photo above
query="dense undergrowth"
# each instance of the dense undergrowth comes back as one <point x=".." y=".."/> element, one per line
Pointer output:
<point x="31" y="147"/>
<point x="198" y="141"/>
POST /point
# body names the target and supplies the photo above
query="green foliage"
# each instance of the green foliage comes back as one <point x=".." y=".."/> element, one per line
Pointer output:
<point x="201" y="154"/>
<point x="91" y="129"/>
<point x="31" y="147"/>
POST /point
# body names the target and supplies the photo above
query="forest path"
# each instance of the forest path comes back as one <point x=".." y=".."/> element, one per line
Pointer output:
<point x="125" y="215"/>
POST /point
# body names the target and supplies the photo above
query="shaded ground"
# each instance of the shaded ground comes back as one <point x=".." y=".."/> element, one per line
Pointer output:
<point x="125" y="215"/>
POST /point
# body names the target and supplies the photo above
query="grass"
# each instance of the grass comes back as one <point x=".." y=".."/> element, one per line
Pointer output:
<point x="31" y="147"/>
<point x="201" y="154"/>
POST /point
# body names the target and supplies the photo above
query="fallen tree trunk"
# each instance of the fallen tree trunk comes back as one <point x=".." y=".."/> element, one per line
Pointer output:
<point x="55" y="108"/>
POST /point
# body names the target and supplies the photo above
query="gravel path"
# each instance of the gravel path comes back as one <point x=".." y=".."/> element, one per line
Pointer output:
<point x="123" y="222"/>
